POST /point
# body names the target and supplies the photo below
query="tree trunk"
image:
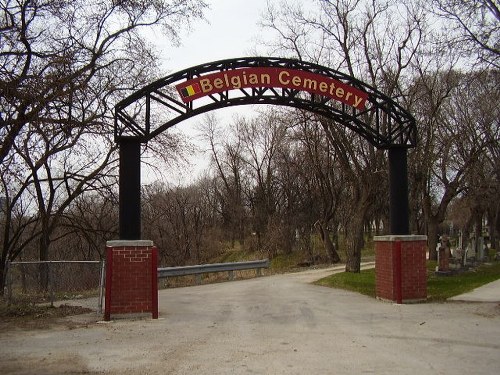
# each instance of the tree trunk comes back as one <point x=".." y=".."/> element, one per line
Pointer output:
<point x="305" y="241"/>
<point x="355" y="230"/>
<point x="432" y="237"/>
<point x="327" y="242"/>
<point x="3" y="278"/>
<point x="241" y="229"/>
<point x="496" y="226"/>
<point x="478" y="233"/>
<point x="355" y="243"/>
<point x="44" y="256"/>
<point x="288" y="238"/>
<point x="493" y="223"/>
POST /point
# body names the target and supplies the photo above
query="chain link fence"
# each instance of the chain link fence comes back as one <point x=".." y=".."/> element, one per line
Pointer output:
<point x="51" y="281"/>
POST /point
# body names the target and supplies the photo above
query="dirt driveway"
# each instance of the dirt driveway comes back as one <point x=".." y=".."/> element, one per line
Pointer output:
<point x="270" y="325"/>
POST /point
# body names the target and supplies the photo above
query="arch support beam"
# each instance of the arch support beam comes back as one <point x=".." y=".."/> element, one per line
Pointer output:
<point x="398" y="190"/>
<point x="261" y="80"/>
<point x="130" y="188"/>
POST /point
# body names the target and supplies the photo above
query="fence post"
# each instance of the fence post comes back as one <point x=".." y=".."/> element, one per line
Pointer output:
<point x="51" y="287"/>
<point x="109" y="272"/>
<point x="8" y="282"/>
<point x="101" y="284"/>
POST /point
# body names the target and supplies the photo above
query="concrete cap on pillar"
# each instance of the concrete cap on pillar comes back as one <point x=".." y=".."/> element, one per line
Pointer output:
<point x="129" y="243"/>
<point x="400" y="237"/>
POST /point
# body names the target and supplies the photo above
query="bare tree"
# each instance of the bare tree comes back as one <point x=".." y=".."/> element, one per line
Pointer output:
<point x="490" y="128"/>
<point x="325" y="174"/>
<point x="226" y="155"/>
<point x="90" y="221"/>
<point x="456" y="120"/>
<point x="62" y="67"/>
<point x="475" y="109"/>
<point x="262" y="139"/>
<point x="177" y="220"/>
<point x="374" y="42"/>
<point x="470" y="28"/>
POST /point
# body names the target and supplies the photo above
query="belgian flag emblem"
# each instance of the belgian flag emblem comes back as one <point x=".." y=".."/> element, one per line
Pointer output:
<point x="190" y="90"/>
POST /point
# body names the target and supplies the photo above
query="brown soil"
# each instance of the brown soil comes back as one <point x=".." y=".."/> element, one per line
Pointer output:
<point x="28" y="317"/>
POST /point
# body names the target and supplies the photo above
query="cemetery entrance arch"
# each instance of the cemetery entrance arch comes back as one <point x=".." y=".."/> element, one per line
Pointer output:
<point x="261" y="80"/>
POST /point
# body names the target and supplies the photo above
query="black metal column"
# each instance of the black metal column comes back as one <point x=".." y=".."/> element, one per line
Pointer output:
<point x="130" y="188"/>
<point x="398" y="181"/>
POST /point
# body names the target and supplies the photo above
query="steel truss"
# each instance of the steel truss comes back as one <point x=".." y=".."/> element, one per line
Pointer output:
<point x="157" y="107"/>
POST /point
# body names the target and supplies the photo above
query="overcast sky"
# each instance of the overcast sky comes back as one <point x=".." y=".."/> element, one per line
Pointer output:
<point x="230" y="30"/>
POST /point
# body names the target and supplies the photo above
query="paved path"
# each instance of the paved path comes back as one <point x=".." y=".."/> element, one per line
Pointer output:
<point x="486" y="293"/>
<point x="270" y="325"/>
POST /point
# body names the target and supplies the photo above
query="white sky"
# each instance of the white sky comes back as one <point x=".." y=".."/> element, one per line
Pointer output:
<point x="230" y="30"/>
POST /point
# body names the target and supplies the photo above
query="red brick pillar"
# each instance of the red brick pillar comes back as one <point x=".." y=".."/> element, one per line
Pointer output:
<point x="131" y="278"/>
<point x="400" y="268"/>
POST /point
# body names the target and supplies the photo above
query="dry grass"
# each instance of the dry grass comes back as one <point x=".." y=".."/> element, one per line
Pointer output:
<point x="35" y="316"/>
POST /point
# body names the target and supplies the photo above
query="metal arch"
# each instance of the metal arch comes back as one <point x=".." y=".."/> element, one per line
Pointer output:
<point x="156" y="107"/>
<point x="384" y="123"/>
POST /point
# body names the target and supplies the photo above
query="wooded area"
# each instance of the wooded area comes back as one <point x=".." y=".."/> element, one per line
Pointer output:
<point x="276" y="180"/>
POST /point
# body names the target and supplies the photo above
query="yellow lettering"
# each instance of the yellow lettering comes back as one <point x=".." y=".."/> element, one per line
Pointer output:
<point x="218" y="83"/>
<point x="205" y="85"/>
<point x="310" y="84"/>
<point x="236" y="82"/>
<point x="253" y="79"/>
<point x="286" y="78"/>
<point x="357" y="101"/>
<point x="284" y="81"/>
<point x="332" y="87"/>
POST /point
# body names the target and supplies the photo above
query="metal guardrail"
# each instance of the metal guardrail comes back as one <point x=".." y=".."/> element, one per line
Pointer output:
<point x="215" y="267"/>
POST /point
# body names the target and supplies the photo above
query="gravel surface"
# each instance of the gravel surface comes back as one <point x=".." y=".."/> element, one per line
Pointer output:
<point x="270" y="325"/>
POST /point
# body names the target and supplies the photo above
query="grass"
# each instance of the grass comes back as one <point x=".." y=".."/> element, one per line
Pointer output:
<point x="233" y="256"/>
<point x="439" y="288"/>
<point x="363" y="282"/>
<point x="286" y="262"/>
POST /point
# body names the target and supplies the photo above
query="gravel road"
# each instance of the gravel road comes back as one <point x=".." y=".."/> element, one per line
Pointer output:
<point x="270" y="325"/>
